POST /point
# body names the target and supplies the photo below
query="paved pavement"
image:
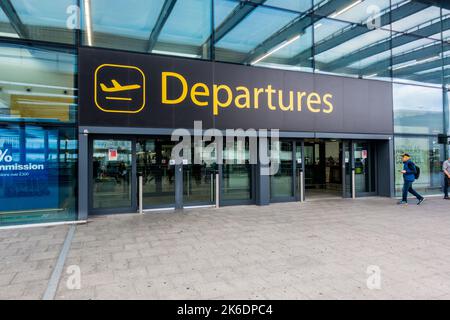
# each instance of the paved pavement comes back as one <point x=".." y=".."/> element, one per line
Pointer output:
<point x="315" y="250"/>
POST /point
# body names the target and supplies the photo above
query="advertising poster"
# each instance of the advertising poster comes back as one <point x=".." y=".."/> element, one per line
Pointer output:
<point x="26" y="179"/>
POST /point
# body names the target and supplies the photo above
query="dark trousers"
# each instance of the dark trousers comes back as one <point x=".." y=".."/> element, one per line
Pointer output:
<point x="446" y="186"/>
<point x="407" y="187"/>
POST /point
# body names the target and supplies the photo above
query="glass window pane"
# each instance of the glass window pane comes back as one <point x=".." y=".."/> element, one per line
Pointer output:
<point x="37" y="174"/>
<point x="324" y="29"/>
<point x="352" y="49"/>
<point x="3" y="17"/>
<point x="281" y="184"/>
<point x="112" y="20"/>
<point x="236" y="172"/>
<point x="360" y="11"/>
<point x="111" y="174"/>
<point x="447" y="68"/>
<point x="47" y="20"/>
<point x="418" y="109"/>
<point x="37" y="84"/>
<point x="222" y="8"/>
<point x="423" y="23"/>
<point x="419" y="60"/>
<point x="269" y="37"/>
<point x="153" y="163"/>
<point x="110" y="24"/>
<point x="187" y="29"/>
<point x="255" y="28"/>
<point x="295" y="5"/>
<point x="295" y="55"/>
<point x="427" y="154"/>
<point x="352" y="45"/>
<point x="6" y="30"/>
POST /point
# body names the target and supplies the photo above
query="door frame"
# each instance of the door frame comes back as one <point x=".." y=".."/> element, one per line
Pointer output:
<point x="294" y="174"/>
<point x="373" y="174"/>
<point x="133" y="182"/>
<point x="178" y="176"/>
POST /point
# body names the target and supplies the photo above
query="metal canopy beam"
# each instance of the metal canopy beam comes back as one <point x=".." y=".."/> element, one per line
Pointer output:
<point x="437" y="3"/>
<point x="235" y="17"/>
<point x="163" y="16"/>
<point x="385" y="45"/>
<point x="424" y="53"/>
<point x="432" y="76"/>
<point x="296" y="27"/>
<point x="14" y="18"/>
<point x="358" y="29"/>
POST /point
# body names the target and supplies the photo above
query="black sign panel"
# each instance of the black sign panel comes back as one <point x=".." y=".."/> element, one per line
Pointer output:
<point x="140" y="90"/>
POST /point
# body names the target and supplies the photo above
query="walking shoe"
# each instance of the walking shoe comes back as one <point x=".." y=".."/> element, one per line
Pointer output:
<point x="402" y="202"/>
<point x="446" y="198"/>
<point x="420" y="201"/>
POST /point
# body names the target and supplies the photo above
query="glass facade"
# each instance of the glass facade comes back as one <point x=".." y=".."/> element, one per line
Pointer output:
<point x="400" y="41"/>
<point x="38" y="135"/>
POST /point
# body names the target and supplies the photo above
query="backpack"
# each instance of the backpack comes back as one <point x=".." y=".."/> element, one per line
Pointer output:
<point x="416" y="172"/>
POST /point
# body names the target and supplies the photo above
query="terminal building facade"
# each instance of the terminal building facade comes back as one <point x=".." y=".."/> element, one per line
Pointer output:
<point x="91" y="92"/>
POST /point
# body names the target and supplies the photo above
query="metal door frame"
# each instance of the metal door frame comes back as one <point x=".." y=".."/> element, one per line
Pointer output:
<point x="372" y="173"/>
<point x="294" y="187"/>
<point x="134" y="203"/>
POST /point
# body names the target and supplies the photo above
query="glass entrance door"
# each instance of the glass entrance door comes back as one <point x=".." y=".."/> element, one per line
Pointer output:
<point x="112" y="186"/>
<point x="282" y="183"/>
<point x="158" y="172"/>
<point x="359" y="168"/>
<point x="199" y="180"/>
<point x="323" y="174"/>
<point x="364" y="164"/>
<point x="237" y="175"/>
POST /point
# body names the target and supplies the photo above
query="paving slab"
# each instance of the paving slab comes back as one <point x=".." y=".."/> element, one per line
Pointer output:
<point x="367" y="248"/>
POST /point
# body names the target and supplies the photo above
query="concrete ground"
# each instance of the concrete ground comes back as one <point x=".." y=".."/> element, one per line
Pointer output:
<point x="341" y="249"/>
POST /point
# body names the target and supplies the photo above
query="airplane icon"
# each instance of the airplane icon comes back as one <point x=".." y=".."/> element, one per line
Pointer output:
<point x="117" y="87"/>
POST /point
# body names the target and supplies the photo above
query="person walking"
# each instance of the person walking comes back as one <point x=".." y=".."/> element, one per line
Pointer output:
<point x="409" y="176"/>
<point x="446" y="171"/>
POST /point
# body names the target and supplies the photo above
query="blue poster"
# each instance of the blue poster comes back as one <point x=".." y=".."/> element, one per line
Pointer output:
<point x="27" y="181"/>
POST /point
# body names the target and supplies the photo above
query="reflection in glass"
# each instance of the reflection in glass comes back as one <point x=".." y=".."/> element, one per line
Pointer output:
<point x="364" y="168"/>
<point x="199" y="180"/>
<point x="266" y="36"/>
<point x="38" y="172"/>
<point x="323" y="175"/>
<point x="281" y="184"/>
<point x="45" y="20"/>
<point x="294" y="5"/>
<point x="237" y="173"/>
<point x="428" y="155"/>
<point x="417" y="109"/>
<point x="351" y="49"/>
<point x="153" y="163"/>
<point x="111" y="169"/>
<point x="37" y="84"/>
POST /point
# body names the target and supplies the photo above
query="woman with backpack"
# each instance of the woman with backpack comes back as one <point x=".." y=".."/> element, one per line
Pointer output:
<point x="410" y="174"/>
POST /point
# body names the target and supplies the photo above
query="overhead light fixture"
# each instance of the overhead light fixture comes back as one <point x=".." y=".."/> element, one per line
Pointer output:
<point x="178" y="54"/>
<point x="371" y="75"/>
<point x="334" y="15"/>
<point x="87" y="10"/>
<point x="316" y="26"/>
<point x="277" y="48"/>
